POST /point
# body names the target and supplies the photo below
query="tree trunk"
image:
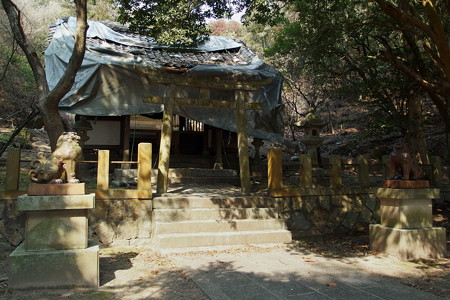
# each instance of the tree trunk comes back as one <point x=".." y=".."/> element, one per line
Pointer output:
<point x="49" y="100"/>
<point x="52" y="121"/>
<point x="415" y="136"/>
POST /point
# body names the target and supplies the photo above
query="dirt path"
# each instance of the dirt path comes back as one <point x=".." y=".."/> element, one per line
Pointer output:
<point x="141" y="273"/>
<point x="129" y="274"/>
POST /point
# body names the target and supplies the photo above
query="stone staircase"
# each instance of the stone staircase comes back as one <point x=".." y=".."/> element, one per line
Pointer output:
<point x="188" y="175"/>
<point x="203" y="221"/>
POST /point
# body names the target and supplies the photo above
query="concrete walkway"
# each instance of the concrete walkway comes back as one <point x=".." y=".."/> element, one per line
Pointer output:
<point x="283" y="273"/>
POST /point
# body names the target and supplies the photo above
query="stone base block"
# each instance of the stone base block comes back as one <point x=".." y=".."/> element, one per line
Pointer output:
<point x="55" y="202"/>
<point x="408" y="243"/>
<point x="56" y="229"/>
<point x="37" y="189"/>
<point x="58" y="268"/>
<point x="406" y="213"/>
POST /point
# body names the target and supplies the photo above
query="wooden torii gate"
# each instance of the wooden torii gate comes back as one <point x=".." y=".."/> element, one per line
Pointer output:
<point x="175" y="97"/>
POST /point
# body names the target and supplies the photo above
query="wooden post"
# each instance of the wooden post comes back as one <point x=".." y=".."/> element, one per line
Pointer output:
<point x="335" y="171"/>
<point x="275" y="169"/>
<point x="241" y="121"/>
<point x="385" y="162"/>
<point x="218" y="164"/>
<point x="103" y="170"/>
<point x="12" y="170"/>
<point x="436" y="171"/>
<point x="144" y="166"/>
<point x="363" y="170"/>
<point x="306" y="171"/>
<point x="164" y="147"/>
<point x="125" y="140"/>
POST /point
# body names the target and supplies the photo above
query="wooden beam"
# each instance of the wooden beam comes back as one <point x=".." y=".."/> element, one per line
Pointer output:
<point x="155" y="75"/>
<point x="244" y="164"/>
<point x="204" y="103"/>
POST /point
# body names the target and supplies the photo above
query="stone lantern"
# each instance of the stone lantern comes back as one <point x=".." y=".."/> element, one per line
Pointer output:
<point x="312" y="125"/>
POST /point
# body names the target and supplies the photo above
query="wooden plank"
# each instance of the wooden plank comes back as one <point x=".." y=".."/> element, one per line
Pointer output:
<point x="144" y="166"/>
<point x="275" y="169"/>
<point x="103" y="170"/>
<point x="12" y="170"/>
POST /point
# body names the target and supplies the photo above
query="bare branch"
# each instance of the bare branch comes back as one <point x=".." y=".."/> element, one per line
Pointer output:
<point x="15" y="20"/>
<point x="8" y="62"/>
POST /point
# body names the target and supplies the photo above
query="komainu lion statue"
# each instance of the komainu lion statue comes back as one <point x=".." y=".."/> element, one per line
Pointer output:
<point x="401" y="159"/>
<point x="62" y="160"/>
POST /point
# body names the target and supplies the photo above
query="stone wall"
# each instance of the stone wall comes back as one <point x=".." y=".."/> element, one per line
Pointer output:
<point x="120" y="220"/>
<point x="320" y="211"/>
<point x="111" y="221"/>
<point x="11" y="224"/>
<point x="308" y="212"/>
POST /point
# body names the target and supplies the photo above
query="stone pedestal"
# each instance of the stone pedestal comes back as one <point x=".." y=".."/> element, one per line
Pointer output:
<point x="56" y="251"/>
<point x="406" y="228"/>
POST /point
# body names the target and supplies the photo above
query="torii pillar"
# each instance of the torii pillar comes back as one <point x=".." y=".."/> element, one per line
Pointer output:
<point x="242" y="134"/>
<point x="166" y="135"/>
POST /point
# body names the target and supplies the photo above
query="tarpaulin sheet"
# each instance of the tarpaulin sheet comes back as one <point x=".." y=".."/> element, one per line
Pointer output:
<point x="111" y="82"/>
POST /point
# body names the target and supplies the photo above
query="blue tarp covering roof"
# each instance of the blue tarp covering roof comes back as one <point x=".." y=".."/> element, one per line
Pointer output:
<point x="119" y="67"/>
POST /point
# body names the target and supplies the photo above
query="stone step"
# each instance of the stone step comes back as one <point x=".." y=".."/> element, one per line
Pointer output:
<point x="186" y="202"/>
<point x="181" y="172"/>
<point x="197" y="172"/>
<point x="208" y="239"/>
<point x="174" y="215"/>
<point x="206" y="180"/>
<point x="218" y="226"/>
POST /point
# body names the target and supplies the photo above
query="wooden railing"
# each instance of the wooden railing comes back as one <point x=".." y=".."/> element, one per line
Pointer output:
<point x="335" y="170"/>
<point x="102" y="190"/>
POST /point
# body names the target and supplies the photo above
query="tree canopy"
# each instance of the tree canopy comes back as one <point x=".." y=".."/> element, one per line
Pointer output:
<point x="378" y="54"/>
<point x="183" y="22"/>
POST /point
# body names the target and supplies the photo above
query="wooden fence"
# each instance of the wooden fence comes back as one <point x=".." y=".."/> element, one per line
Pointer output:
<point x="102" y="190"/>
<point x="335" y="170"/>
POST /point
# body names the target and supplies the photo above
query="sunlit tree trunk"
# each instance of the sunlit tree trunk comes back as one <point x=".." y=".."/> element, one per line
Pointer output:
<point x="49" y="100"/>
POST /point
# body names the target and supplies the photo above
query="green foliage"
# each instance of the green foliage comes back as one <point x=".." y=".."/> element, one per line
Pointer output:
<point x="183" y="22"/>
<point x="21" y="140"/>
<point x="172" y="22"/>
<point x="334" y="47"/>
